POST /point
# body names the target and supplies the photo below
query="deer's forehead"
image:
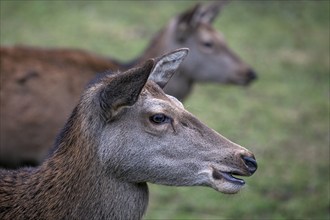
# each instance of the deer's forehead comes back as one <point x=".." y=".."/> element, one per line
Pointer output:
<point x="154" y="98"/>
<point x="207" y="32"/>
<point x="157" y="105"/>
<point x="151" y="89"/>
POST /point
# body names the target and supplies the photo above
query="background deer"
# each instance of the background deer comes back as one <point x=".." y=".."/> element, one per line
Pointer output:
<point x="124" y="132"/>
<point x="40" y="87"/>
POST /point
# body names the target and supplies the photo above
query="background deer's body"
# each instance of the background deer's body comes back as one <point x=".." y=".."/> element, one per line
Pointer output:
<point x="123" y="133"/>
<point x="39" y="87"/>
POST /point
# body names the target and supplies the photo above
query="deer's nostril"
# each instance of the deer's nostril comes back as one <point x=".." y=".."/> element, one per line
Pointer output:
<point x="251" y="164"/>
<point x="252" y="75"/>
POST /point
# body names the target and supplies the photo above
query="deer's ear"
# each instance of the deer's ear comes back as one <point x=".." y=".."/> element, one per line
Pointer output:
<point x="123" y="89"/>
<point x="190" y="19"/>
<point x="186" y="23"/>
<point x="166" y="65"/>
<point x="207" y="13"/>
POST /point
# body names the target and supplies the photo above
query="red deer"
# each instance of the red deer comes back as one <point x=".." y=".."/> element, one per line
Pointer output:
<point x="39" y="87"/>
<point x="124" y="132"/>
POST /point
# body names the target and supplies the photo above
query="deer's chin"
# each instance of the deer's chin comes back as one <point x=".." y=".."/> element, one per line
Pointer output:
<point x="225" y="182"/>
<point x="239" y="81"/>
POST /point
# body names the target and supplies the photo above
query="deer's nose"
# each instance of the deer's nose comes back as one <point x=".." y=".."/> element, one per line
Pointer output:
<point x="251" y="75"/>
<point x="250" y="163"/>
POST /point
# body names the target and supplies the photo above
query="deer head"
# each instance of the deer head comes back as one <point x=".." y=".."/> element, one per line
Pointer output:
<point x="210" y="58"/>
<point x="145" y="135"/>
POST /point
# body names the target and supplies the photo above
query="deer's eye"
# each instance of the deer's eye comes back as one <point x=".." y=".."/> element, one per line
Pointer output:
<point x="159" y="119"/>
<point x="208" y="44"/>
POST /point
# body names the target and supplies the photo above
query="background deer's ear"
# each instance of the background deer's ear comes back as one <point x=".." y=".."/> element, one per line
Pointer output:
<point x="207" y="13"/>
<point x="185" y="24"/>
<point x="123" y="89"/>
<point x="190" y="19"/>
<point x="166" y="65"/>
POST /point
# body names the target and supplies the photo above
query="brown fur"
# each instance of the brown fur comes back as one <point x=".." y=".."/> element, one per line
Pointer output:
<point x="62" y="187"/>
<point x="24" y="85"/>
<point x="108" y="148"/>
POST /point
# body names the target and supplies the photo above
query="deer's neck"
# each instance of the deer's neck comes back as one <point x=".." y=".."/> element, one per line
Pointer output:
<point x="93" y="193"/>
<point x="73" y="184"/>
<point x="157" y="46"/>
<point x="61" y="190"/>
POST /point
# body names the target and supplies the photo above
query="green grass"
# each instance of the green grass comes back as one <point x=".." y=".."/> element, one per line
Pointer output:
<point x="283" y="118"/>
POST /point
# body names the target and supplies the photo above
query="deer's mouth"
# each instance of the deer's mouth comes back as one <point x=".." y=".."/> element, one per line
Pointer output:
<point x="228" y="176"/>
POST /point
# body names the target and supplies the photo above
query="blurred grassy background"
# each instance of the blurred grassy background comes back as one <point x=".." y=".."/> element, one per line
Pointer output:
<point x="283" y="118"/>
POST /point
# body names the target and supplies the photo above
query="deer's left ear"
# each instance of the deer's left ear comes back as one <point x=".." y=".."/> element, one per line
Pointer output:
<point x="166" y="65"/>
<point x="123" y="89"/>
<point x="189" y="20"/>
<point x="207" y="13"/>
